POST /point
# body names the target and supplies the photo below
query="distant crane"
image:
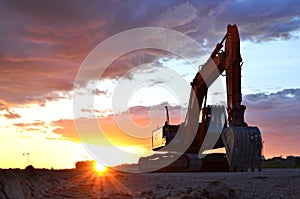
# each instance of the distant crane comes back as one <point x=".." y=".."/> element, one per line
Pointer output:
<point x="27" y="157"/>
<point x="28" y="154"/>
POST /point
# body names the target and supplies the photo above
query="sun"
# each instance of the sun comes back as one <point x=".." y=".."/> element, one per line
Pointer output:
<point x="100" y="168"/>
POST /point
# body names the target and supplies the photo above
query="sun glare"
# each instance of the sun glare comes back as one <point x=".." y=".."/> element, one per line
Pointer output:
<point x="100" y="168"/>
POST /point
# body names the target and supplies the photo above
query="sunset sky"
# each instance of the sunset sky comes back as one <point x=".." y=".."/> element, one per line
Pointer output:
<point x="44" y="43"/>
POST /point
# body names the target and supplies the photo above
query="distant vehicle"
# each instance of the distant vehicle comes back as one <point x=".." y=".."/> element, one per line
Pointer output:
<point x="85" y="165"/>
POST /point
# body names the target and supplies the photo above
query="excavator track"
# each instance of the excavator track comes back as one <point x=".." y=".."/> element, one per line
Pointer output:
<point x="170" y="162"/>
<point x="243" y="147"/>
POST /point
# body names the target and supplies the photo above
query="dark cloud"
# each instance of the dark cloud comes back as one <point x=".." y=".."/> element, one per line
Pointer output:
<point x="122" y="65"/>
<point x="100" y="92"/>
<point x="43" y="43"/>
<point x="279" y="106"/>
<point x="258" y="21"/>
<point x="277" y="115"/>
<point x="269" y="20"/>
<point x="29" y="81"/>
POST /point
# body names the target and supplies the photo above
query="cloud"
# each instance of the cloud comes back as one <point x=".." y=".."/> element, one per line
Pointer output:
<point x="258" y="21"/>
<point x="178" y="15"/>
<point x="12" y="115"/>
<point x="269" y="21"/>
<point x="34" y="124"/>
<point x="122" y="66"/>
<point x="38" y="126"/>
<point x="3" y="105"/>
<point x="44" y="43"/>
<point x="100" y="92"/>
<point x="277" y="115"/>
<point x="6" y="112"/>
<point x="66" y="128"/>
<point x="91" y="133"/>
<point x="132" y="127"/>
<point x="280" y="106"/>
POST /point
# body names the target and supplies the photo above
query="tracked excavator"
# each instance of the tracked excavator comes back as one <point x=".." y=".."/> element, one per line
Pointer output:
<point x="242" y="143"/>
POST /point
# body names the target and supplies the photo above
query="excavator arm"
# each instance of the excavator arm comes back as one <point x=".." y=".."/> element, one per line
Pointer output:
<point x="242" y="143"/>
<point x="220" y="61"/>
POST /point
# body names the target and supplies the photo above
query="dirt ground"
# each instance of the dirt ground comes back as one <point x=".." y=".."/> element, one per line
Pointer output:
<point x="270" y="183"/>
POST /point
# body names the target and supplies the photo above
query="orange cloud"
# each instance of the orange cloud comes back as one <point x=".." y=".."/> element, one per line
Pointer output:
<point x="128" y="128"/>
<point x="11" y="115"/>
<point x="66" y="128"/>
<point x="37" y="124"/>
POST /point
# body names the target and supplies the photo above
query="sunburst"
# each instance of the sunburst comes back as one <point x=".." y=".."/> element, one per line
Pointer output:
<point x="100" y="168"/>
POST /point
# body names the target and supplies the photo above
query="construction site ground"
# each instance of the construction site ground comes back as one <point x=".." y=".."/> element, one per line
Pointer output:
<point x="270" y="183"/>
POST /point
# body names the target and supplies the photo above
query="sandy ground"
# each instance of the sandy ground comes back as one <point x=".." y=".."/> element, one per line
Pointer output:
<point x="270" y="183"/>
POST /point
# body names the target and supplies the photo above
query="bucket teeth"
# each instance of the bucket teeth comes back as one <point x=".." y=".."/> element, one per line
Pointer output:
<point x="243" y="147"/>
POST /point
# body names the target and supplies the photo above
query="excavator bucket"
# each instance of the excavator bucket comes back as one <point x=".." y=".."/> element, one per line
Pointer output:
<point x="243" y="147"/>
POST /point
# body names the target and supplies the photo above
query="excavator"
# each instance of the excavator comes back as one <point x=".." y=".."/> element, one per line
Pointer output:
<point x="205" y="123"/>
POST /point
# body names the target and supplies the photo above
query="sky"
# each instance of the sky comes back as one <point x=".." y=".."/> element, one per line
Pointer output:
<point x="44" y="45"/>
